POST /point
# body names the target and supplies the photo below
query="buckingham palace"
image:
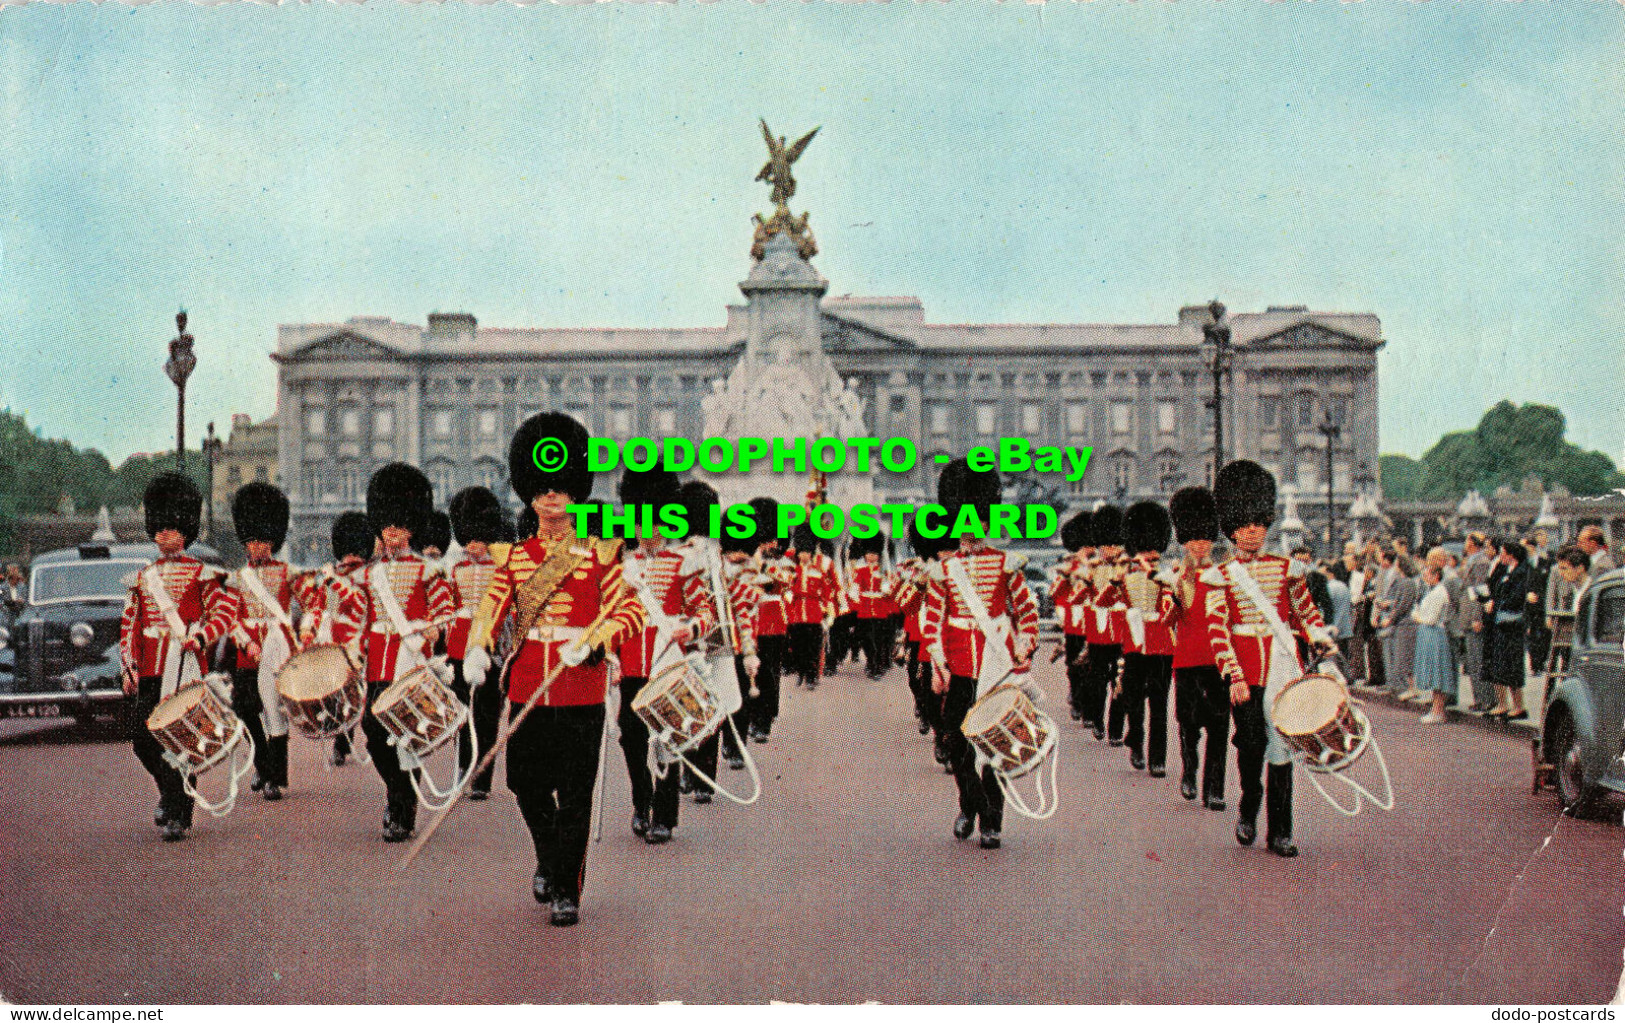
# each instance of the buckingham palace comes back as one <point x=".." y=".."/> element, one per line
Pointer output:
<point x="448" y="395"/>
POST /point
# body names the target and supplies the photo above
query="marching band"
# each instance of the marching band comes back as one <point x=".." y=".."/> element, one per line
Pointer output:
<point x="545" y="644"/>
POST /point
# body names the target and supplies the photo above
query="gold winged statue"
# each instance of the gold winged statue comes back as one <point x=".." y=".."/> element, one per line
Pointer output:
<point x="776" y="172"/>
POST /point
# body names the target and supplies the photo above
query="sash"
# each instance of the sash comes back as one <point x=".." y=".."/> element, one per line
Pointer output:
<point x="274" y="653"/>
<point x="664" y="624"/>
<point x="1136" y="627"/>
<point x="411" y="654"/>
<point x="179" y="670"/>
<point x="996" y="663"/>
<point x="1283" y="665"/>
<point x="256" y="585"/>
<point x="723" y="680"/>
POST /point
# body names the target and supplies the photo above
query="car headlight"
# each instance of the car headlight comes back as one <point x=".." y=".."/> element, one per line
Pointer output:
<point x="81" y="634"/>
<point x="5" y="637"/>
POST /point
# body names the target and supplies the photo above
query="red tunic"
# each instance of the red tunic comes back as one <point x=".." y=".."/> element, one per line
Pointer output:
<point x="946" y="625"/>
<point x="253" y="621"/>
<point x="595" y="585"/>
<point x="205" y="606"/>
<point x="470" y="578"/>
<point x="814" y="590"/>
<point x="680" y="595"/>
<point x="774" y="579"/>
<point x="1238" y="632"/>
<point x="867" y="592"/>
<point x="1187" y="612"/>
<point x="423" y="595"/>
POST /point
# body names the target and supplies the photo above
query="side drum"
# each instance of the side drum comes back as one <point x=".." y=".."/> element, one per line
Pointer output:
<point x="1314" y="716"/>
<point x="678" y="707"/>
<point x="197" y="727"/>
<point x="321" y="691"/>
<point x="419" y="712"/>
<point x="1009" y="731"/>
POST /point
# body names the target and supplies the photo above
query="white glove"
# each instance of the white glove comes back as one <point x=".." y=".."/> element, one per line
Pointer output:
<point x="1034" y="691"/>
<point x="574" y="654"/>
<point x="476" y="664"/>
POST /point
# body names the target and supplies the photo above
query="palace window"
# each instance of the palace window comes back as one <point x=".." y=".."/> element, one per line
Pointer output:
<point x="488" y="422"/>
<point x="1167" y="417"/>
<point x="440" y="423"/>
<point x="937" y="415"/>
<point x="1032" y="418"/>
<point x="898" y="405"/>
<point x="987" y="416"/>
<point x="1097" y="379"/>
<point x="350" y="422"/>
<point x="1168" y="474"/>
<point x="1337" y="407"/>
<point x="1267" y="406"/>
<point x="1123" y="474"/>
<point x="620" y="422"/>
<point x="1077" y="418"/>
<point x="665" y="420"/>
<point x="1306" y="409"/>
<point x="1122" y="417"/>
<point x="315" y="422"/>
<point x="349" y="483"/>
<point x="383" y="422"/>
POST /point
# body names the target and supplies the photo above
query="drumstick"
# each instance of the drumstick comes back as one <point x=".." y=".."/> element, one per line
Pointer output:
<point x="491" y="755"/>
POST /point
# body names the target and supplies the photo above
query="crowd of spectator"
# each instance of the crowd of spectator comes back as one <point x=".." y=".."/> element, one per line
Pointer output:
<point x="1418" y="626"/>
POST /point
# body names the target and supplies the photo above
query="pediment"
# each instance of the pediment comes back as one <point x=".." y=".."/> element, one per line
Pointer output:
<point x="1311" y="335"/>
<point x="843" y="334"/>
<point x="343" y="346"/>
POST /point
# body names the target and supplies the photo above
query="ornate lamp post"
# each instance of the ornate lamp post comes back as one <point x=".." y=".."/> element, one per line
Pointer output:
<point x="1216" y="350"/>
<point x="211" y="450"/>
<point x="1331" y="431"/>
<point x="179" y="368"/>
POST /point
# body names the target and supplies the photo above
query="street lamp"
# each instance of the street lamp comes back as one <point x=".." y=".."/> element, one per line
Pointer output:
<point x="179" y="367"/>
<point x="1216" y="350"/>
<point x="1331" y="431"/>
<point x="211" y="449"/>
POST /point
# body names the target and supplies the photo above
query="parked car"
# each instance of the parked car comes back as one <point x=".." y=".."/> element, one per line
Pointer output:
<point x="1583" y="734"/>
<point x="60" y="656"/>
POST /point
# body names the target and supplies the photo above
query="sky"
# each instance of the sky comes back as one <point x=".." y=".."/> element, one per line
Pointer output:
<point x="1453" y="168"/>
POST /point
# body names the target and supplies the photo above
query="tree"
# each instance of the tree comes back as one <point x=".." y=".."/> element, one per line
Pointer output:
<point x="1508" y="445"/>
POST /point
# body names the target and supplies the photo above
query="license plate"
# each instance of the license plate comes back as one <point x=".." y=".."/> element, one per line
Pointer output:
<point x="31" y="710"/>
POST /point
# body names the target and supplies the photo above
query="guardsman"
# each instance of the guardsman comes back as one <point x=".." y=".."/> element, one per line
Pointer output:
<point x="401" y="604"/>
<point x="744" y="597"/>
<point x="264" y="591"/>
<point x="812" y="601"/>
<point x="1104" y="594"/>
<point x="1257" y="604"/>
<point x="1201" y="695"/>
<point x="653" y="571"/>
<point x="773" y="578"/>
<point x="482" y="532"/>
<point x="569" y="604"/>
<point x="955" y="628"/>
<point x="866" y="595"/>
<point x="176" y="609"/>
<point x="436" y="538"/>
<point x="906" y="588"/>
<point x="324" y="620"/>
<point x="1069" y="589"/>
<point x="1148" y="653"/>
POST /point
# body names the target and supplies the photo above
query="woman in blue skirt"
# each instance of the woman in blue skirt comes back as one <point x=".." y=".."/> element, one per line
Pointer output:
<point x="1434" y="665"/>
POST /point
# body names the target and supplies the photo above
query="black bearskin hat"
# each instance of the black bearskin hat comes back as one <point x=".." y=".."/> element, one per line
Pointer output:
<point x="729" y="542"/>
<point x="1106" y="526"/>
<point x="172" y="501"/>
<point x="436" y="533"/>
<point x="476" y="516"/>
<point x="861" y="547"/>
<point x="926" y="547"/>
<point x="352" y="535"/>
<point x="1195" y="515"/>
<point x="1075" y="534"/>
<point x="1245" y="495"/>
<point x="1147" y="529"/>
<point x="527" y="525"/>
<point x="260" y="512"/>
<point x="959" y="485"/>
<point x="802" y="539"/>
<point x="653" y="486"/>
<point x="529" y="479"/>
<point x="696" y="497"/>
<point x="399" y="495"/>
<point x="766" y="512"/>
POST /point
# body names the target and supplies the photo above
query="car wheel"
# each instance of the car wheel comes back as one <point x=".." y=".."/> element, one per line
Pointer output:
<point x="1575" y="792"/>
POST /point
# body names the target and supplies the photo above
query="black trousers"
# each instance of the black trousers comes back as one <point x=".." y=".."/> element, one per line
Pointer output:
<point x="1251" y="737"/>
<point x="1098" y="679"/>
<point x="1202" y="704"/>
<point x="765" y="708"/>
<point x="485" y="706"/>
<point x="877" y="640"/>
<point x="653" y="797"/>
<point x="401" y="799"/>
<point x="552" y="765"/>
<point x="1376" y="671"/>
<point x="172" y="797"/>
<point x="843" y="641"/>
<point x="1077" y="649"/>
<point x="1146" y="678"/>
<point x="919" y="682"/>
<point x="246" y="704"/>
<point x="805" y="642"/>
<point x="980" y="796"/>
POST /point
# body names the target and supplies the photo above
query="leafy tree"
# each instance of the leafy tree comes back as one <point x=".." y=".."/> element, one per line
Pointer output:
<point x="1508" y="445"/>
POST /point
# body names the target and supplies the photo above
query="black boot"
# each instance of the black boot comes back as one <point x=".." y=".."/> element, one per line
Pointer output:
<point x="1278" y="799"/>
